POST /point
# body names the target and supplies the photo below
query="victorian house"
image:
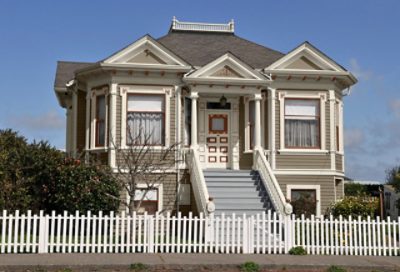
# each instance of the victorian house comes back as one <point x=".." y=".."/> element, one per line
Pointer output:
<point x="259" y="128"/>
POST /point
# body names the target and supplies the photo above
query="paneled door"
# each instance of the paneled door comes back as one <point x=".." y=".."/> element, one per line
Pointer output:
<point x="218" y="143"/>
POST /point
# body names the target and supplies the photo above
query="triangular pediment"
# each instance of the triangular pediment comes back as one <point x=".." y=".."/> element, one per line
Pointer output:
<point x="146" y="51"/>
<point x="227" y="66"/>
<point x="306" y="57"/>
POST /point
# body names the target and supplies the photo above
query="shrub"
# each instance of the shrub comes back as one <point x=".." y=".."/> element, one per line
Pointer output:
<point x="334" y="268"/>
<point x="138" y="267"/>
<point x="355" y="206"/>
<point x="37" y="176"/>
<point x="249" y="267"/>
<point x="299" y="250"/>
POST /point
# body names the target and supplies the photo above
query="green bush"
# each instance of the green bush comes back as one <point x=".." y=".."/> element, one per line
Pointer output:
<point x="37" y="176"/>
<point x="355" y="206"/>
<point x="249" y="267"/>
<point x="136" y="267"/>
<point x="299" y="250"/>
<point x="334" y="268"/>
<point x="354" y="189"/>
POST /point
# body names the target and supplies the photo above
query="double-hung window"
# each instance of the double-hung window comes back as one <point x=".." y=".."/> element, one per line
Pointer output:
<point x="145" y="117"/>
<point x="302" y="123"/>
<point x="100" y="120"/>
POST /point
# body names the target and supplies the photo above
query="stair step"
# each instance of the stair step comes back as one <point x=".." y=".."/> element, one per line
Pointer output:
<point x="227" y="185"/>
<point x="231" y="179"/>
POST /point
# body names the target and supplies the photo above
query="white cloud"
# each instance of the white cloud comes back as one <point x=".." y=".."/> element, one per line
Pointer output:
<point x="47" y="121"/>
<point x="353" y="138"/>
<point x="394" y="106"/>
<point x="358" y="71"/>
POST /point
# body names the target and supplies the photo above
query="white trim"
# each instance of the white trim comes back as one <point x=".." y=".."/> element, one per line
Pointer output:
<point x="322" y="96"/>
<point x="272" y="127"/>
<point x="145" y="89"/>
<point x="246" y="101"/>
<point x="327" y="172"/>
<point x="302" y="152"/>
<point x="74" y="122"/>
<point x="149" y="43"/>
<point x="249" y="74"/>
<point x="94" y="93"/>
<point x="113" y="123"/>
<point x="332" y="129"/>
<point x="317" y="188"/>
<point x="311" y="53"/>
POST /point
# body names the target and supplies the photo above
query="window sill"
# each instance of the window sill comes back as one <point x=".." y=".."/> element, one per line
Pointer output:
<point x="302" y="152"/>
<point x="98" y="149"/>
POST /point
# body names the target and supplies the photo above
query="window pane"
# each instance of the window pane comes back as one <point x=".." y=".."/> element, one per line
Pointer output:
<point x="304" y="202"/>
<point x="150" y="195"/>
<point x="218" y="124"/>
<point x="146" y="102"/>
<point x="301" y="133"/>
<point x="100" y="120"/>
<point x="145" y="128"/>
<point x="101" y="129"/>
<point x="101" y="107"/>
<point x="302" y="107"/>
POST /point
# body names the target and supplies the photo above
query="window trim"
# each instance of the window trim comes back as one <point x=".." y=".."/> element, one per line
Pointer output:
<point x="317" y="188"/>
<point x="162" y="113"/>
<point x="322" y="96"/>
<point x="126" y="90"/>
<point x="160" y="195"/>
<point x="95" y="93"/>
<point x="317" y="117"/>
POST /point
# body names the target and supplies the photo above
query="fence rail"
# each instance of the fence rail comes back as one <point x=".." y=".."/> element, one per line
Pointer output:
<point x="267" y="233"/>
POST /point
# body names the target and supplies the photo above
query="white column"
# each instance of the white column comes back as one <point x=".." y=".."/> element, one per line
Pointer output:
<point x="74" y="122"/>
<point x="113" y="122"/>
<point x="194" y="96"/>
<point x="332" y="128"/>
<point x="88" y="121"/>
<point x="257" y="121"/>
<point x="272" y="127"/>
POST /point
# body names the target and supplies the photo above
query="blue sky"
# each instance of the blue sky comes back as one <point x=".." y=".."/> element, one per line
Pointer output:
<point x="363" y="36"/>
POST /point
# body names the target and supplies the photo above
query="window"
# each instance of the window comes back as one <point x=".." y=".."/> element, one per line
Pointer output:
<point x="188" y="120"/>
<point x="337" y="118"/>
<point x="149" y="200"/>
<point x="304" y="201"/>
<point x="145" y="119"/>
<point x="100" y="120"/>
<point x="218" y="123"/>
<point x="302" y="123"/>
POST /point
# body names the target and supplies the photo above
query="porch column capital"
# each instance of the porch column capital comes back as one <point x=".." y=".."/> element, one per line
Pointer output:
<point x="257" y="97"/>
<point x="194" y="95"/>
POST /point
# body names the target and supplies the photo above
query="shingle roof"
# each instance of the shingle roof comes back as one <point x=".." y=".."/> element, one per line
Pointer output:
<point x="65" y="71"/>
<point x="197" y="48"/>
<point x="200" y="48"/>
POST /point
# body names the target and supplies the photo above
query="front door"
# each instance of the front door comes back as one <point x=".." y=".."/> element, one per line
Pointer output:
<point x="218" y="143"/>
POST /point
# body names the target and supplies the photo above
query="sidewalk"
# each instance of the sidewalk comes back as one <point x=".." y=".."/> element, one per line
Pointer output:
<point x="13" y="262"/>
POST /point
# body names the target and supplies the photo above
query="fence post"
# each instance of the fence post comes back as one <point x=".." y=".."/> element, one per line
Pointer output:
<point x="246" y="235"/>
<point x="43" y="232"/>
<point x="150" y="234"/>
<point x="288" y="234"/>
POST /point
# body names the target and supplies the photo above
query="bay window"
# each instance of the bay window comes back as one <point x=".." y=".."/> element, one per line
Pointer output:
<point x="100" y="120"/>
<point x="145" y="117"/>
<point x="302" y="123"/>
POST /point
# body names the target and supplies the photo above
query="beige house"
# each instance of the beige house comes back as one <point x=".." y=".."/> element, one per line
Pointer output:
<point x="258" y="127"/>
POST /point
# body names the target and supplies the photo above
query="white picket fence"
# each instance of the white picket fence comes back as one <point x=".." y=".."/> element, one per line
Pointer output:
<point x="267" y="233"/>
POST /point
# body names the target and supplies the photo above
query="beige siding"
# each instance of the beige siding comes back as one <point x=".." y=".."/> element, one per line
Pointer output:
<point x="277" y="123"/>
<point x="119" y="121"/>
<point x="326" y="183"/>
<point x="245" y="159"/>
<point x="303" y="161"/>
<point x="81" y="130"/>
<point x="339" y="162"/>
<point x="172" y="120"/>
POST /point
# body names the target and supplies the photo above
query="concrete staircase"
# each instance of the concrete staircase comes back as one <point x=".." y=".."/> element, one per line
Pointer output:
<point x="237" y="191"/>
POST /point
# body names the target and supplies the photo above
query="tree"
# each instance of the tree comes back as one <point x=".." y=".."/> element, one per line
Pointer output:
<point x="142" y="166"/>
<point x="393" y="178"/>
<point x="37" y="176"/>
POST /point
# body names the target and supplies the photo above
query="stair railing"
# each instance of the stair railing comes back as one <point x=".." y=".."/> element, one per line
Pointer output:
<point x="198" y="182"/>
<point x="270" y="183"/>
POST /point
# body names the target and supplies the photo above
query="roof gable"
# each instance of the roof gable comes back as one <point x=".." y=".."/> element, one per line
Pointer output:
<point x="227" y="66"/>
<point x="306" y="57"/>
<point x="146" y="51"/>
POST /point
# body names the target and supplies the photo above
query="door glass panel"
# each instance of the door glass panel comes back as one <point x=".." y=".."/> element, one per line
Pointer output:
<point x="217" y="124"/>
<point x="304" y="202"/>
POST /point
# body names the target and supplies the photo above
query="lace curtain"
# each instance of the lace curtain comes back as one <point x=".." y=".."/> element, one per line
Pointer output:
<point x="145" y="128"/>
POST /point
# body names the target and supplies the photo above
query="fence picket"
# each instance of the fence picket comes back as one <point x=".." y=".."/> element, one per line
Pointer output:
<point x="261" y="234"/>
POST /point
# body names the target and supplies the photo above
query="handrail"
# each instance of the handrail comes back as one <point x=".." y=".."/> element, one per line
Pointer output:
<point x="198" y="182"/>
<point x="271" y="184"/>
